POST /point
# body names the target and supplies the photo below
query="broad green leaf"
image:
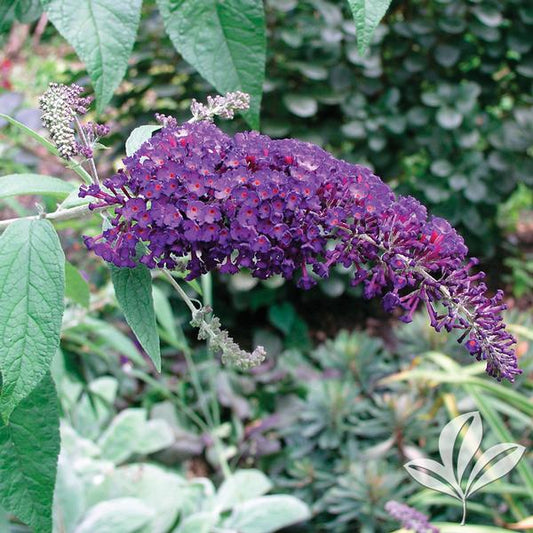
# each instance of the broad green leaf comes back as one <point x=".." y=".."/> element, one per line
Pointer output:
<point x="133" y="289"/>
<point x="29" y="446"/>
<point x="32" y="286"/>
<point x="243" y="485"/>
<point x="267" y="514"/>
<point x="367" y="14"/>
<point x="76" y="288"/>
<point x="138" y="136"/>
<point x="19" y="184"/>
<point x="103" y="33"/>
<point x="224" y="41"/>
<point x="121" y="515"/>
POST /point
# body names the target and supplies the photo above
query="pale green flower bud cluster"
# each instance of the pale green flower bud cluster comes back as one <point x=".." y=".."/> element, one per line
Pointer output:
<point x="219" y="340"/>
<point x="222" y="106"/>
<point x="60" y="104"/>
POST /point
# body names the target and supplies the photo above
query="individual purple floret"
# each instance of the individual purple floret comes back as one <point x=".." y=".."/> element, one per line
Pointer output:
<point x="410" y="518"/>
<point x="290" y="208"/>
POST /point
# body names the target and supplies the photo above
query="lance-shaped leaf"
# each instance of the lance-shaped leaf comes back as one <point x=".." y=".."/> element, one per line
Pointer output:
<point x="133" y="289"/>
<point x="367" y="14"/>
<point x="32" y="286"/>
<point x="103" y="33"/>
<point x="19" y="184"/>
<point x="224" y="41"/>
<point x="510" y="455"/>
<point x="418" y="469"/>
<point x="29" y="446"/>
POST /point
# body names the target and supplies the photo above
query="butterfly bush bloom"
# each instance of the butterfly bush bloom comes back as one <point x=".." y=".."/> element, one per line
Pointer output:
<point x="410" y="518"/>
<point x="289" y="208"/>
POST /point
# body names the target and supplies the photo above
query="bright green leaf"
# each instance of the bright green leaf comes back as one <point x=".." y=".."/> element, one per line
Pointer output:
<point x="133" y="289"/>
<point x="224" y="41"/>
<point x="103" y="33"/>
<point x="367" y="14"/>
<point x="138" y="136"/>
<point x="29" y="446"/>
<point x="76" y="288"/>
<point x="32" y="285"/>
<point x="20" y="184"/>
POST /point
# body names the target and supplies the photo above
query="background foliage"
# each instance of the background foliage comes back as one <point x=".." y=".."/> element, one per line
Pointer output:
<point x="440" y="106"/>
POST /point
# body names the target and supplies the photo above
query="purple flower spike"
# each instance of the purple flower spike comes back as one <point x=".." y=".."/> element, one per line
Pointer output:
<point x="290" y="208"/>
<point x="410" y="518"/>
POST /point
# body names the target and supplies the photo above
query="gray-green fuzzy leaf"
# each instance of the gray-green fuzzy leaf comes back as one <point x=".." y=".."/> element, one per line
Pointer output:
<point x="224" y="41"/>
<point x="32" y="286"/>
<point x="133" y="289"/>
<point x="367" y="14"/>
<point x="29" y="446"/>
<point x="103" y="33"/>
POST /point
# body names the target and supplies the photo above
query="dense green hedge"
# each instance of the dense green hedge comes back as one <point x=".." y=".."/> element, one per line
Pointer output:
<point x="440" y="105"/>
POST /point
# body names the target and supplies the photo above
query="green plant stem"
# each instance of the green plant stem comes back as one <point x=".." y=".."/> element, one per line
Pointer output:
<point x="139" y="374"/>
<point x="207" y="297"/>
<point x="195" y="379"/>
<point x="92" y="165"/>
<point x="60" y="214"/>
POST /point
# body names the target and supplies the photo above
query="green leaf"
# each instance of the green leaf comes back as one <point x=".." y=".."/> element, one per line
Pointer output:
<point x="19" y="184"/>
<point x="33" y="134"/>
<point x="267" y="514"/>
<point x="32" y="286"/>
<point x="367" y="14"/>
<point x="109" y="337"/>
<point x="133" y="289"/>
<point x="76" y="288"/>
<point x="224" y="41"/>
<point x="29" y="446"/>
<point x="282" y="316"/>
<point x="138" y="136"/>
<point x="103" y="33"/>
